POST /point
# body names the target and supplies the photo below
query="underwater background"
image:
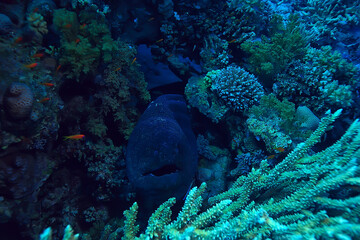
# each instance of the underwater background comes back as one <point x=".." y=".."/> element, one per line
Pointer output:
<point x="179" y="119"/>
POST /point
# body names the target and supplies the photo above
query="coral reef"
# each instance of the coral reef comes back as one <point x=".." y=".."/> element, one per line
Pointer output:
<point x="322" y="81"/>
<point x="329" y="19"/>
<point x="79" y="144"/>
<point x="121" y="91"/>
<point x="282" y="204"/>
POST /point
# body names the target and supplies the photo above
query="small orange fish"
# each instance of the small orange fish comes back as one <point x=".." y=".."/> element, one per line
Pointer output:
<point x="118" y="69"/>
<point x="280" y="149"/>
<point x="170" y="56"/>
<point x="47" y="84"/>
<point x="44" y="100"/>
<point x="35" y="10"/>
<point x="77" y="40"/>
<point x="232" y="41"/>
<point x="31" y="65"/>
<point x="58" y="68"/>
<point x="37" y="55"/>
<point x="74" y="137"/>
<point x="83" y="26"/>
<point x="150" y="19"/>
<point x="67" y="25"/>
<point x="18" y="40"/>
<point x="160" y="40"/>
<point x="133" y="61"/>
<point x="271" y="157"/>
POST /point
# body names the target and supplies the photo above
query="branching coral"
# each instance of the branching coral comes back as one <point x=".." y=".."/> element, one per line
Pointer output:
<point x="236" y="87"/>
<point x="68" y="234"/>
<point x="230" y="88"/>
<point x="326" y="18"/>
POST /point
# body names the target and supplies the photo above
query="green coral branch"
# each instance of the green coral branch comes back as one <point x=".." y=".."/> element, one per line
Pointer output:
<point x="131" y="229"/>
<point x="68" y="234"/>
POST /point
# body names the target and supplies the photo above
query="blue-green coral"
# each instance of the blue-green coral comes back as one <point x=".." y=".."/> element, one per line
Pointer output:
<point x="230" y="88"/>
<point x="238" y="88"/>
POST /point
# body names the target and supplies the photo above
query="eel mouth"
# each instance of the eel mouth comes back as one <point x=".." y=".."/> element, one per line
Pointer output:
<point x="162" y="171"/>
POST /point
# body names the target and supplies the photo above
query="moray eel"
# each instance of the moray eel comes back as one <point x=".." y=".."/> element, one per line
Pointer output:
<point x="161" y="156"/>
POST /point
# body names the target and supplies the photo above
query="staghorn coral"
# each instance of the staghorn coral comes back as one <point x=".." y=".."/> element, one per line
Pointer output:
<point x="327" y="18"/>
<point x="18" y="101"/>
